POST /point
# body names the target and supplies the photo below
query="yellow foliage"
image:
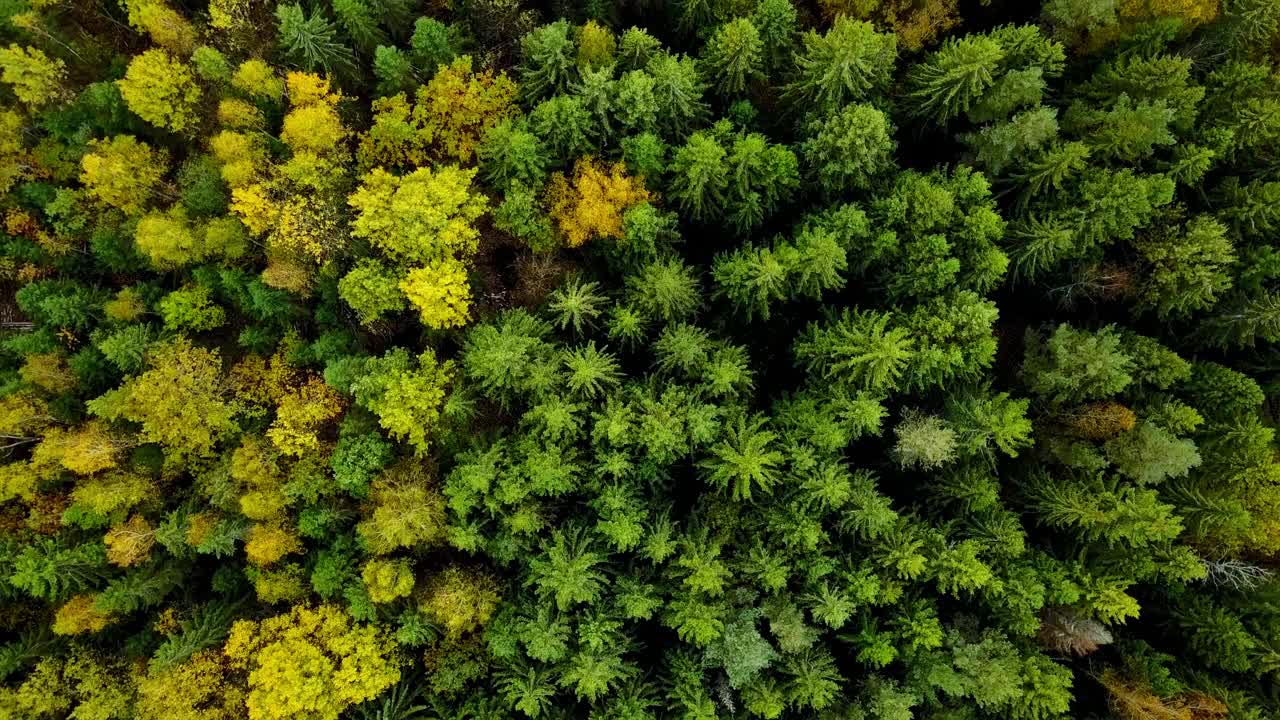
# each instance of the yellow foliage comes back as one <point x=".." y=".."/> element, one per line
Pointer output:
<point x="407" y="512"/>
<point x="591" y="205"/>
<point x="49" y="372"/>
<point x="18" y="480"/>
<point x="84" y="686"/>
<point x="287" y="273"/>
<point x="307" y="226"/>
<point x="197" y="689"/>
<point x="15" y="162"/>
<point x="130" y="543"/>
<point x="916" y="23"/>
<point x="310" y="89"/>
<point x="596" y="45"/>
<point x="180" y="402"/>
<point x="37" y="79"/>
<point x="199" y="526"/>
<point x="240" y="155"/>
<point x="77" y="617"/>
<point x="315" y="128"/>
<point x="420" y="217"/>
<point x="126" y="306"/>
<point x="1192" y="12"/>
<point x="42" y="694"/>
<point x="267" y="544"/>
<point x="240" y="114"/>
<point x="23" y="414"/>
<point x="112" y="493"/>
<point x="256" y="209"/>
<point x="300" y="416"/>
<point x="394" y="139"/>
<point x="88" y="449"/>
<point x="440" y="292"/>
<point x="168" y="240"/>
<point x="167" y="28"/>
<point x="123" y="172"/>
<point x="256" y="464"/>
<point x="262" y="381"/>
<point x="259" y="80"/>
<point x="388" y="580"/>
<point x="228" y="14"/>
<point x="457" y="107"/>
<point x="161" y="90"/>
<point x="287" y="583"/>
<point x="310" y="663"/>
<point x="316" y="172"/>
<point x="1133" y="700"/>
<point x="460" y="600"/>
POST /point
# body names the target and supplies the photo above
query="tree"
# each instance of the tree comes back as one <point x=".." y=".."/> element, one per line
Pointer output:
<point x="180" y="401"/>
<point x="1187" y="266"/>
<point x="954" y="77"/>
<point x="859" y="349"/>
<point x="405" y="394"/>
<point x="440" y="292"/>
<point x="312" y="41"/>
<point x="159" y="89"/>
<point x="849" y="149"/>
<point x="677" y="89"/>
<point x="548" y="61"/>
<point x="308" y="660"/>
<point x="458" y="106"/>
<point x="850" y="63"/>
<point x="421" y="217"/>
<point x="744" y="460"/>
<point x="512" y="154"/>
<point x="123" y="172"/>
<point x="565" y="125"/>
<point x="567" y="571"/>
<point x="734" y="56"/>
<point x="592" y="204"/>
<point x="37" y="79"/>
<point x="1073" y="365"/>
<point x="168" y="240"/>
<point x="700" y="176"/>
<point x="459" y="600"/>
<point x="406" y="511"/>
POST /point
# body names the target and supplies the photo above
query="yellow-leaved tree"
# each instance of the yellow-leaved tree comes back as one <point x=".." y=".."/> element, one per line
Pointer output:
<point x="310" y="663"/>
<point x="160" y="89"/>
<point x="590" y="205"/>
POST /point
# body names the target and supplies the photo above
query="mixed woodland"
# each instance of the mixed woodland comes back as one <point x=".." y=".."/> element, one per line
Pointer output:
<point x="639" y="359"/>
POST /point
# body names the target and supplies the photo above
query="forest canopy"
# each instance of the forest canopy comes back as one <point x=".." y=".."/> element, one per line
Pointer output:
<point x="639" y="360"/>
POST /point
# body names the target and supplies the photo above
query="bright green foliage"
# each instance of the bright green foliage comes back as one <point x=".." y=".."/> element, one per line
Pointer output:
<point x="372" y="290"/>
<point x="734" y="56"/>
<point x="744" y="460"/>
<point x="849" y="63"/>
<point x="312" y="41"/>
<point x="1073" y="365"/>
<point x="404" y="393"/>
<point x="849" y="149"/>
<point x="954" y="77"/>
